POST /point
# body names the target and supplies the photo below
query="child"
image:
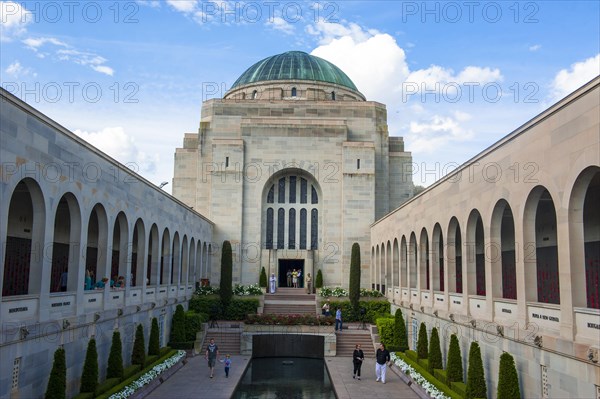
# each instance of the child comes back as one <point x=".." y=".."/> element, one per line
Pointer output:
<point x="227" y="362"/>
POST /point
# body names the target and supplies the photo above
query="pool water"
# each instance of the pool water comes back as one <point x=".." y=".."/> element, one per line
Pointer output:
<point x="285" y="378"/>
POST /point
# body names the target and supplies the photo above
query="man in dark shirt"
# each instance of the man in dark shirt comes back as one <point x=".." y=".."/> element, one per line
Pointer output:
<point x="383" y="357"/>
<point x="212" y="355"/>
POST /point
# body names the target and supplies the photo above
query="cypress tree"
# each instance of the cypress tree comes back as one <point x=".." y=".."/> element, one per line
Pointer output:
<point x="319" y="279"/>
<point x="454" y="368"/>
<point x="89" y="377"/>
<point x="57" y="384"/>
<point x="226" y="289"/>
<point x="422" y="347"/>
<point x="178" y="325"/>
<point x="138" y="355"/>
<point x="476" y="387"/>
<point x="435" y="352"/>
<point x="262" y="281"/>
<point x="508" y="380"/>
<point x="400" y="331"/>
<point x="115" y="359"/>
<point x="154" y="345"/>
<point x="354" y="284"/>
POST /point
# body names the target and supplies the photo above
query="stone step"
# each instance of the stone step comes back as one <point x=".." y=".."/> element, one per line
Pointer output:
<point x="347" y="340"/>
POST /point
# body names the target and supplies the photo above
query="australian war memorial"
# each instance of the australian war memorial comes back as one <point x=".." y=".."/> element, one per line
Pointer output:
<point x="292" y="165"/>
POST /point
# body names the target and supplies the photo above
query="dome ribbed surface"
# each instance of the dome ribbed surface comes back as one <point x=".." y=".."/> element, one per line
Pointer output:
<point x="294" y="65"/>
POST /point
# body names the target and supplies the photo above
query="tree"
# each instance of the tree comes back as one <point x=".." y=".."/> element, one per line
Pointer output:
<point x="154" y="345"/>
<point x="226" y="289"/>
<point x="89" y="377"/>
<point x="178" y="325"/>
<point x="422" y="351"/>
<point x="418" y="190"/>
<point x="476" y="387"/>
<point x="454" y="368"/>
<point x="354" y="285"/>
<point x="138" y="355"/>
<point x="508" y="380"/>
<point x="400" y="329"/>
<point x="435" y="352"/>
<point x="262" y="281"/>
<point x="57" y="384"/>
<point x="319" y="279"/>
<point x="115" y="359"/>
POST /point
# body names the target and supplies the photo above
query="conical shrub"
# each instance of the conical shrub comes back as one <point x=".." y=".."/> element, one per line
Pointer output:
<point x="154" y="345"/>
<point x="476" y="387"/>
<point x="178" y="325"/>
<point x="225" y="287"/>
<point x="454" y="367"/>
<point x="354" y="283"/>
<point x="138" y="355"/>
<point x="89" y="377"/>
<point x="262" y="281"/>
<point x="435" y="352"/>
<point x="57" y="384"/>
<point x="508" y="380"/>
<point x="115" y="359"/>
<point x="400" y="329"/>
<point x="319" y="279"/>
<point x="422" y="347"/>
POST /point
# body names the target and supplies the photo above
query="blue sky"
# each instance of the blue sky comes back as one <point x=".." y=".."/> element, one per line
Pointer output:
<point x="130" y="76"/>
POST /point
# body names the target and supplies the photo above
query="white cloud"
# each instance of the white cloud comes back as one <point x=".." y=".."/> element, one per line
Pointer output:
<point x="16" y="70"/>
<point x="568" y="80"/>
<point x="435" y="77"/>
<point x="428" y="136"/>
<point x="327" y="32"/>
<point x="149" y="3"/>
<point x="280" y="24"/>
<point x="535" y="47"/>
<point x="45" y="46"/>
<point x="122" y="147"/>
<point x="185" y="6"/>
<point x="13" y="20"/>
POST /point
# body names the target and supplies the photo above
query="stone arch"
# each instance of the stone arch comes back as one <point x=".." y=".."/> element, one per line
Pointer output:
<point x="65" y="245"/>
<point x="455" y="258"/>
<point x="166" y="257"/>
<point x="183" y="276"/>
<point x="96" y="255"/>
<point x="25" y="230"/>
<point x="192" y="271"/>
<point x="138" y="251"/>
<point x="584" y="238"/>
<point x="175" y="272"/>
<point x="403" y="263"/>
<point x="153" y="271"/>
<point x="503" y="251"/>
<point x="424" y="267"/>
<point x="412" y="260"/>
<point x="120" y="244"/>
<point x="541" y="247"/>
<point x="475" y="248"/>
<point x="396" y="264"/>
<point x="437" y="257"/>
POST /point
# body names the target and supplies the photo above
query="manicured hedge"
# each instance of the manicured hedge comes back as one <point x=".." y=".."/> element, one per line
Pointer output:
<point x="437" y="383"/>
<point x="193" y="324"/>
<point x="106" y="385"/>
<point x="374" y="310"/>
<point x="385" y="328"/>
<point x="131" y="370"/>
<point x="237" y="310"/>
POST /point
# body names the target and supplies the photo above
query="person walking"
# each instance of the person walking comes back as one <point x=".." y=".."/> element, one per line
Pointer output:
<point x="338" y="319"/>
<point x="357" y="359"/>
<point x="212" y="354"/>
<point x="308" y="283"/>
<point x="382" y="359"/>
<point x="227" y="362"/>
<point x="272" y="283"/>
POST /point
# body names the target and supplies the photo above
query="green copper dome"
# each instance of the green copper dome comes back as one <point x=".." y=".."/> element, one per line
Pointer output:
<point x="294" y="65"/>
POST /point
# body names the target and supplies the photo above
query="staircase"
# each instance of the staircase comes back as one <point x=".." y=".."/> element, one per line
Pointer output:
<point x="226" y="337"/>
<point x="290" y="301"/>
<point x="346" y="342"/>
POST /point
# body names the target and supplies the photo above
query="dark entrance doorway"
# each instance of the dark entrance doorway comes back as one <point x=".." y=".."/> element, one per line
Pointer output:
<point x="290" y="264"/>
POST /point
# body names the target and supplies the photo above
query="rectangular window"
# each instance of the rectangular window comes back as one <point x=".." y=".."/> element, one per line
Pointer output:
<point x="15" y="374"/>
<point x="281" y="191"/>
<point x="545" y="388"/>
<point x="415" y="333"/>
<point x="226" y="162"/>
<point x="292" y="189"/>
<point x="358" y="164"/>
<point x="303" y="191"/>
<point x="161" y="330"/>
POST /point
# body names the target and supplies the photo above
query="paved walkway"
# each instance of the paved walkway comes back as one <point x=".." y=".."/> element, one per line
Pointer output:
<point x="192" y="381"/>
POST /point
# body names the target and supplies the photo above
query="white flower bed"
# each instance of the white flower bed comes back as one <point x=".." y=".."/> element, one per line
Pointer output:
<point x="148" y="376"/>
<point x="417" y="377"/>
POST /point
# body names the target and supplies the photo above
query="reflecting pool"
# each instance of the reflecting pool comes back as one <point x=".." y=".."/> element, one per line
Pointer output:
<point x="279" y="378"/>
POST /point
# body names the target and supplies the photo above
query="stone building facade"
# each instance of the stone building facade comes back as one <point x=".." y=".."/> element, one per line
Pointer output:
<point x="293" y="165"/>
<point x="506" y="251"/>
<point x="68" y="210"/>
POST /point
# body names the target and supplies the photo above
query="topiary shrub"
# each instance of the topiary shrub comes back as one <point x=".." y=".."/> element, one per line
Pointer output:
<point x="138" y="355"/>
<point x="435" y="352"/>
<point x="153" y="344"/>
<point x="193" y="324"/>
<point x="476" y="387"/>
<point x="262" y="281"/>
<point x="400" y="329"/>
<point x="319" y="279"/>
<point x="454" y="368"/>
<point x="354" y="284"/>
<point x="178" y="325"/>
<point x="89" y="377"/>
<point x="225" y="287"/>
<point x="422" y="347"/>
<point x="385" y="328"/>
<point x="508" y="380"/>
<point x="115" y="359"/>
<point x="57" y="384"/>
